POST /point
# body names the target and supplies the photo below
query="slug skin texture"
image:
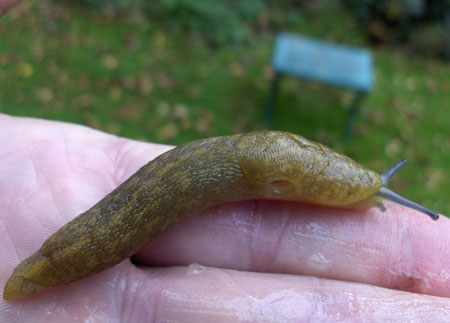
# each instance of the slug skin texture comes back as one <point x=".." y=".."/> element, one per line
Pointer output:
<point x="184" y="181"/>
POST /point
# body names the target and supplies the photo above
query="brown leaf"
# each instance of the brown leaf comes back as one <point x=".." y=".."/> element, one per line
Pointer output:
<point x="411" y="83"/>
<point x="132" y="42"/>
<point x="132" y="111"/>
<point x="181" y="111"/>
<point x="115" y="92"/>
<point x="163" y="81"/>
<point x="84" y="101"/>
<point x="434" y="178"/>
<point x="204" y="124"/>
<point x="38" y="51"/>
<point x="162" y="110"/>
<point x="129" y="82"/>
<point x="84" y="83"/>
<point x="240" y="127"/>
<point x="145" y="84"/>
<point x="44" y="94"/>
<point x="236" y="70"/>
<point x="267" y="71"/>
<point x="25" y="69"/>
<point x="110" y="62"/>
<point x="113" y="127"/>
<point x="186" y="124"/>
<point x="194" y="91"/>
<point x="159" y="40"/>
<point x="168" y="131"/>
<point x="92" y="121"/>
<point x="431" y="84"/>
<point x="393" y="147"/>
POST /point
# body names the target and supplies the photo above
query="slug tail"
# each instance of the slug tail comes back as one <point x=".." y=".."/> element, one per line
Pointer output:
<point x="25" y="279"/>
<point x="18" y="287"/>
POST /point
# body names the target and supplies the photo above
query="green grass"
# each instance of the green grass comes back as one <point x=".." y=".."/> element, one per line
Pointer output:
<point x="130" y="77"/>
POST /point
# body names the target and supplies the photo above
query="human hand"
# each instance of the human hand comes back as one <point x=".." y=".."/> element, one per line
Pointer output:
<point x="6" y="4"/>
<point x="275" y="252"/>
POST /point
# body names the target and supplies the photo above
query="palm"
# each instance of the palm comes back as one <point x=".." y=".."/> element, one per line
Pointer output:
<point x="50" y="172"/>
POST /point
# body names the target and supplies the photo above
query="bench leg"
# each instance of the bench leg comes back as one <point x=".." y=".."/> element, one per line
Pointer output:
<point x="271" y="103"/>
<point x="352" y="113"/>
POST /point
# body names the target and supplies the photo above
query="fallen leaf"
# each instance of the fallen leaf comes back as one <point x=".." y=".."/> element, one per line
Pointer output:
<point x="113" y="127"/>
<point x="110" y="62"/>
<point x="393" y="147"/>
<point x="186" y="124"/>
<point x="84" y="83"/>
<point x="3" y="60"/>
<point x="38" y="51"/>
<point x="115" y="92"/>
<point x="145" y="84"/>
<point x="376" y="116"/>
<point x="411" y="83"/>
<point x="240" y="127"/>
<point x="84" y="101"/>
<point x="181" y="111"/>
<point x="268" y="71"/>
<point x="162" y="110"/>
<point x="132" y="111"/>
<point x="168" y="131"/>
<point x="92" y="121"/>
<point x="431" y="84"/>
<point x="62" y="77"/>
<point x="129" y="82"/>
<point x="434" y="178"/>
<point x="44" y="94"/>
<point x="132" y="42"/>
<point x="204" y="124"/>
<point x="194" y="91"/>
<point x="159" y="40"/>
<point x="346" y="98"/>
<point x="25" y="69"/>
<point x="163" y="81"/>
<point x="236" y="70"/>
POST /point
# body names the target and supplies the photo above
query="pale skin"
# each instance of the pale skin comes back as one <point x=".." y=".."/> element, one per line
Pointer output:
<point x="6" y="4"/>
<point x="261" y="260"/>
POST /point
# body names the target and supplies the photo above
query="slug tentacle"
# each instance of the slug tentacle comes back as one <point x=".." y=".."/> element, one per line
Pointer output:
<point x="386" y="177"/>
<point x="187" y="179"/>
<point x="396" y="198"/>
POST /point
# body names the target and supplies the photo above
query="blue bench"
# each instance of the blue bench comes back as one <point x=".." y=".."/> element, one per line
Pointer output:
<point x="337" y="65"/>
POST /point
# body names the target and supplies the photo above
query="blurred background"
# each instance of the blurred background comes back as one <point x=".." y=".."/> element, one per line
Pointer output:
<point x="171" y="71"/>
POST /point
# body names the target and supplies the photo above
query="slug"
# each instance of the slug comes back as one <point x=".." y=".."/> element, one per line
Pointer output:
<point x="187" y="179"/>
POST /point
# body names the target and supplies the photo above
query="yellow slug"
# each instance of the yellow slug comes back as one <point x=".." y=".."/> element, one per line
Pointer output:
<point x="187" y="179"/>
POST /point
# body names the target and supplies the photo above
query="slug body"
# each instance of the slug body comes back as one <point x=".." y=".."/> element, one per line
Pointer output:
<point x="184" y="181"/>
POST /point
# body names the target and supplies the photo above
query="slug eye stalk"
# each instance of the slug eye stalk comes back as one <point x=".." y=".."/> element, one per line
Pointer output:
<point x="396" y="198"/>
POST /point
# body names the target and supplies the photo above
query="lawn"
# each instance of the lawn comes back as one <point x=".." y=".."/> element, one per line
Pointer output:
<point x="128" y="76"/>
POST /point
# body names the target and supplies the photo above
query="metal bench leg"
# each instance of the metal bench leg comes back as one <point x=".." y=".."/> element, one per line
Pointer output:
<point x="271" y="103"/>
<point x="352" y="113"/>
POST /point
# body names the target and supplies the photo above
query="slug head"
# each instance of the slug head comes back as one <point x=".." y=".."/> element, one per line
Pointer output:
<point x="284" y="166"/>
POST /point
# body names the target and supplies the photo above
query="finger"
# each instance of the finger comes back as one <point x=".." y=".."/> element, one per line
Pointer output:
<point x="50" y="173"/>
<point x="57" y="170"/>
<point x="275" y="252"/>
<point x="399" y="249"/>
<point x="6" y="4"/>
<point x="201" y="294"/>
